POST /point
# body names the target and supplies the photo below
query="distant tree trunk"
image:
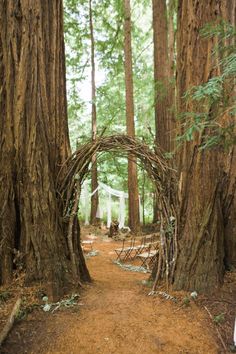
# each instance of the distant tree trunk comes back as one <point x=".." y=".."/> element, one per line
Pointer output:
<point x="94" y="173"/>
<point x="161" y="74"/>
<point x="171" y="52"/>
<point x="163" y="99"/>
<point x="171" y="37"/>
<point x="134" y="221"/>
<point x="34" y="143"/>
<point x="155" y="208"/>
<point x="203" y="176"/>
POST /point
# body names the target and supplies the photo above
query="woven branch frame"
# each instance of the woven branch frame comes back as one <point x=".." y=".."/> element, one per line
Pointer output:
<point x="75" y="169"/>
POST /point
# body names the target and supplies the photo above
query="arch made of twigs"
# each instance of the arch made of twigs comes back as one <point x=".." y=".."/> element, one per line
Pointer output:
<point x="76" y="168"/>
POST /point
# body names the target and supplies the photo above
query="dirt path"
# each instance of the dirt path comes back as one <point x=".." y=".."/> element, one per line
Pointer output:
<point x="117" y="317"/>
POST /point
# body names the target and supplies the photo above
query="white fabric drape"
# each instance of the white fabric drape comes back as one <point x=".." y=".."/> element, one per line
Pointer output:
<point x="109" y="210"/>
<point x="112" y="191"/>
<point x="85" y="199"/>
<point x="140" y="210"/>
<point x="122" y="211"/>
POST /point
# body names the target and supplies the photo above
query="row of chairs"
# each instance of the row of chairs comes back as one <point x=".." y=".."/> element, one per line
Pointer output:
<point x="145" y="248"/>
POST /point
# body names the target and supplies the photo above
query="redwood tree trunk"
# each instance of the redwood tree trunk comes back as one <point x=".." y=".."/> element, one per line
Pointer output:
<point x="94" y="173"/>
<point x="230" y="200"/>
<point x="172" y="73"/>
<point x="34" y="143"/>
<point x="203" y="173"/>
<point x="162" y="76"/>
<point x="134" y="222"/>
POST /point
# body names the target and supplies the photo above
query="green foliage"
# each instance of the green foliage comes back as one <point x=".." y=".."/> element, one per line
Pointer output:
<point x="4" y="296"/>
<point x="219" y="318"/>
<point x="214" y="100"/>
<point x="25" y="310"/>
<point x="186" y="301"/>
<point x="222" y="30"/>
<point x="211" y="91"/>
<point x="108" y="21"/>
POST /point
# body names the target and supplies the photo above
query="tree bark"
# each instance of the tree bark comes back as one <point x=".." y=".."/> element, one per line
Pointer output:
<point x="134" y="221"/>
<point x="172" y="72"/>
<point x="163" y="73"/>
<point x="94" y="220"/>
<point x="230" y="200"/>
<point x="34" y="143"/>
<point x="203" y="176"/>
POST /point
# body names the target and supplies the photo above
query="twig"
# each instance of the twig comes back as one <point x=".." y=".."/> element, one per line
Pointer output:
<point x="8" y="326"/>
<point x="70" y="231"/>
<point x="217" y="330"/>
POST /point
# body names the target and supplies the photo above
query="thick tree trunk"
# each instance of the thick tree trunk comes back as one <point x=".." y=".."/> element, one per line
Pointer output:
<point x="34" y="142"/>
<point x="230" y="200"/>
<point x="94" y="173"/>
<point x="203" y="176"/>
<point x="134" y="222"/>
<point x="230" y="213"/>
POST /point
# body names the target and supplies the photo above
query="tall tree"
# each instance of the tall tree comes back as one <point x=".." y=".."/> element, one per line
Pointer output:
<point x="204" y="173"/>
<point x="34" y="144"/>
<point x="134" y="221"/>
<point x="172" y="10"/>
<point x="230" y="209"/>
<point x="94" y="172"/>
<point x="163" y="73"/>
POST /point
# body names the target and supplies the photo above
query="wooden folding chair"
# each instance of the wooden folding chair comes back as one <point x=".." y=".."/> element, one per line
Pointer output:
<point x="153" y="256"/>
<point x="148" y="258"/>
<point x="85" y="243"/>
<point x="125" y="251"/>
<point x="137" y="249"/>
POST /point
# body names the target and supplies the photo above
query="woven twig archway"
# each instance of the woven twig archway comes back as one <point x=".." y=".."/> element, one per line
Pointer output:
<point x="74" y="171"/>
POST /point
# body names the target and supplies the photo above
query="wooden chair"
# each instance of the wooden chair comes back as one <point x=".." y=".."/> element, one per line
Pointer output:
<point x="123" y="253"/>
<point x="139" y="248"/>
<point x="88" y="243"/>
<point x="148" y="258"/>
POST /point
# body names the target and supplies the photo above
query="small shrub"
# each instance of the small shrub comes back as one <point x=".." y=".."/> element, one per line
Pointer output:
<point x="219" y="318"/>
<point x="186" y="301"/>
<point x="4" y="296"/>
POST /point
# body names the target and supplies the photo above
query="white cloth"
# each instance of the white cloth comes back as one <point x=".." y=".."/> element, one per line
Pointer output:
<point x="122" y="211"/>
<point x="84" y="202"/>
<point x="112" y="191"/>
<point x="109" y="210"/>
<point x="85" y="199"/>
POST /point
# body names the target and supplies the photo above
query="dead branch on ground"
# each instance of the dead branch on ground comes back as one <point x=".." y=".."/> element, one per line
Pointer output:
<point x="10" y="322"/>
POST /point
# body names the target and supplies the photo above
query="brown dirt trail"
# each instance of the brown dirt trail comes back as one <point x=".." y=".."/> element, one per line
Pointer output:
<point x="117" y="317"/>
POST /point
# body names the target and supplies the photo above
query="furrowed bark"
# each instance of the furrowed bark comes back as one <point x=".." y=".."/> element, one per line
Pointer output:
<point x="203" y="173"/>
<point x="34" y="141"/>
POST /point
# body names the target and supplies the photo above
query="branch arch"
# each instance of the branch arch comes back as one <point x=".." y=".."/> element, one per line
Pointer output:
<point x="76" y="168"/>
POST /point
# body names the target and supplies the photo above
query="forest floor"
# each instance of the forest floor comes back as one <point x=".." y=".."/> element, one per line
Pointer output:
<point x="115" y="315"/>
